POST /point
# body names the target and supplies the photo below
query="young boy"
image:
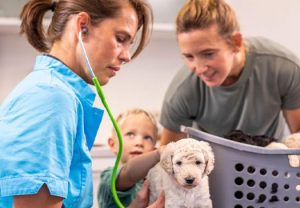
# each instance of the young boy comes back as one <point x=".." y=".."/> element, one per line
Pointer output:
<point x="140" y="132"/>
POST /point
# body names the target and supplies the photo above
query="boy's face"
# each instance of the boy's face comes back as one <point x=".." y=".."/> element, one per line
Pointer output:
<point x="139" y="136"/>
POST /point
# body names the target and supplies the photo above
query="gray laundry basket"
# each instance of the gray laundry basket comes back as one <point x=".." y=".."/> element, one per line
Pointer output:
<point x="247" y="176"/>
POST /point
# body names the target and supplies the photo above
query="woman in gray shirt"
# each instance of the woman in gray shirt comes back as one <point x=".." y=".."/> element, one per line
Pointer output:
<point x="229" y="82"/>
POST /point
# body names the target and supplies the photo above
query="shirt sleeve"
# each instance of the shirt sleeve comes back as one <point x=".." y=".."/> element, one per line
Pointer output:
<point x="181" y="101"/>
<point x="37" y="131"/>
<point x="289" y="85"/>
<point x="105" y="197"/>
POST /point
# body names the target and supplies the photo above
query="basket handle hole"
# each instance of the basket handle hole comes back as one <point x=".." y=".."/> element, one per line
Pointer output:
<point x="251" y="169"/>
<point x="275" y="173"/>
<point x="263" y="172"/>
<point x="251" y="183"/>
<point x="239" y="167"/>
<point x="238" y="194"/>
<point x="263" y="184"/>
<point x="250" y="196"/>
<point x="239" y="181"/>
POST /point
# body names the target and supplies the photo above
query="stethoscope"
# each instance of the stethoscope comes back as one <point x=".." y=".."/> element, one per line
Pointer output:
<point x="101" y="95"/>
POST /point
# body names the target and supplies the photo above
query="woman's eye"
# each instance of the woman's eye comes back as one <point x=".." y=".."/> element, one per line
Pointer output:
<point x="121" y="39"/>
<point x="188" y="57"/>
<point x="198" y="162"/>
<point x="178" y="163"/>
<point x="208" y="54"/>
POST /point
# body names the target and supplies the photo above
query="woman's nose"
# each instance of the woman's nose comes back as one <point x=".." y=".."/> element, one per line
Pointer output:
<point x="198" y="66"/>
<point x="201" y="66"/>
<point x="125" y="56"/>
<point x="200" y="69"/>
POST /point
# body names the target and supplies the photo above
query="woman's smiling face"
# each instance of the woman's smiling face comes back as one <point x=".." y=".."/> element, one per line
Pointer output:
<point x="209" y="55"/>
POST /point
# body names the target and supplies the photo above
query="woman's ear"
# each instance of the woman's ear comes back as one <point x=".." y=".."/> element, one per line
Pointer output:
<point x="237" y="41"/>
<point x="82" y="23"/>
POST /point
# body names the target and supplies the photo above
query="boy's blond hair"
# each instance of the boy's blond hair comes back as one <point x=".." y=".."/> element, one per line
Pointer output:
<point x="136" y="111"/>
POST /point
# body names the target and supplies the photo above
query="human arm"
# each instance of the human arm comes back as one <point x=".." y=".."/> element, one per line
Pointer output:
<point x="289" y="85"/>
<point x="137" y="168"/>
<point x="170" y="136"/>
<point x="142" y="198"/>
<point x="42" y="199"/>
<point x="293" y="119"/>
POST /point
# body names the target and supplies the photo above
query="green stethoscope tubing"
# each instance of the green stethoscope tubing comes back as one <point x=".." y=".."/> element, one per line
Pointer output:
<point x="103" y="100"/>
<point x="114" y="173"/>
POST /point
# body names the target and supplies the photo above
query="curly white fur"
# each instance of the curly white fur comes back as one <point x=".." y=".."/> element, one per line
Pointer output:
<point x="291" y="141"/>
<point x="183" y="174"/>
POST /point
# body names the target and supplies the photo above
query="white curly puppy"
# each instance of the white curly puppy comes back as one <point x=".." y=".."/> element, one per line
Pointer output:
<point x="182" y="174"/>
<point x="291" y="141"/>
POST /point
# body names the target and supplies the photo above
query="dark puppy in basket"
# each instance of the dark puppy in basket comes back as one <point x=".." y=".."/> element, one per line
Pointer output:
<point x="257" y="140"/>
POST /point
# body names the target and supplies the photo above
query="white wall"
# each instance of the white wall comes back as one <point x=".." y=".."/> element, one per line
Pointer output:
<point x="276" y="19"/>
<point x="144" y="81"/>
<point x="16" y="60"/>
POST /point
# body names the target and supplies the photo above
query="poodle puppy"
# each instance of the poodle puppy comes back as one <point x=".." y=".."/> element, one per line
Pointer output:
<point x="293" y="141"/>
<point x="182" y="174"/>
<point x="289" y="142"/>
<point x="293" y="159"/>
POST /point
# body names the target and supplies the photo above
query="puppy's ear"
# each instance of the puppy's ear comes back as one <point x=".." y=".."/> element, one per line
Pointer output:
<point x="166" y="158"/>
<point x="208" y="156"/>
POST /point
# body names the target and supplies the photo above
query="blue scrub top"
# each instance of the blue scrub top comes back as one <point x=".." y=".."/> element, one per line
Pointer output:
<point x="47" y="127"/>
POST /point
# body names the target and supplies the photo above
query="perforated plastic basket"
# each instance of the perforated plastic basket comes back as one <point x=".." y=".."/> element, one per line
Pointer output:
<point x="247" y="176"/>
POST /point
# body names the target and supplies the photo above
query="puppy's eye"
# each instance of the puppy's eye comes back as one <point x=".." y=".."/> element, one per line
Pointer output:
<point x="178" y="163"/>
<point x="198" y="162"/>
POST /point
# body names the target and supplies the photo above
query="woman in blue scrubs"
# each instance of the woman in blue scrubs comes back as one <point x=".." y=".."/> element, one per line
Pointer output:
<point x="48" y="123"/>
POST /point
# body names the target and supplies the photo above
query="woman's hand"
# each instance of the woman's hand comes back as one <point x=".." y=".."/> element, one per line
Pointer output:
<point x="160" y="201"/>
<point x="142" y="199"/>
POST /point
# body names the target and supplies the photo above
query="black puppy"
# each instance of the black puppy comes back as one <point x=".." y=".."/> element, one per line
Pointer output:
<point x="257" y="140"/>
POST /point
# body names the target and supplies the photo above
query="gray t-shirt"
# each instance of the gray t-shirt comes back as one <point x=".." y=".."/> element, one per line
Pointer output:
<point x="269" y="83"/>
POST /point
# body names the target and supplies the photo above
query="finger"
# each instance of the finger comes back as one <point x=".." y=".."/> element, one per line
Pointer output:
<point x="161" y="197"/>
<point x="160" y="202"/>
<point x="144" y="191"/>
<point x="143" y="194"/>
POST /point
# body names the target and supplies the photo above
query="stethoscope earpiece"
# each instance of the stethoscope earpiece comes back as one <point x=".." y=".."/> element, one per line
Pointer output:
<point x="84" y="30"/>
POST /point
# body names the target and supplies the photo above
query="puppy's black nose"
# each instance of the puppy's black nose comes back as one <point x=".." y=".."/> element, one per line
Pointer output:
<point x="189" y="180"/>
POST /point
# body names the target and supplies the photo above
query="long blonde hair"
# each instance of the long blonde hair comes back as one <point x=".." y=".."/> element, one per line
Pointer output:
<point x="201" y="14"/>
